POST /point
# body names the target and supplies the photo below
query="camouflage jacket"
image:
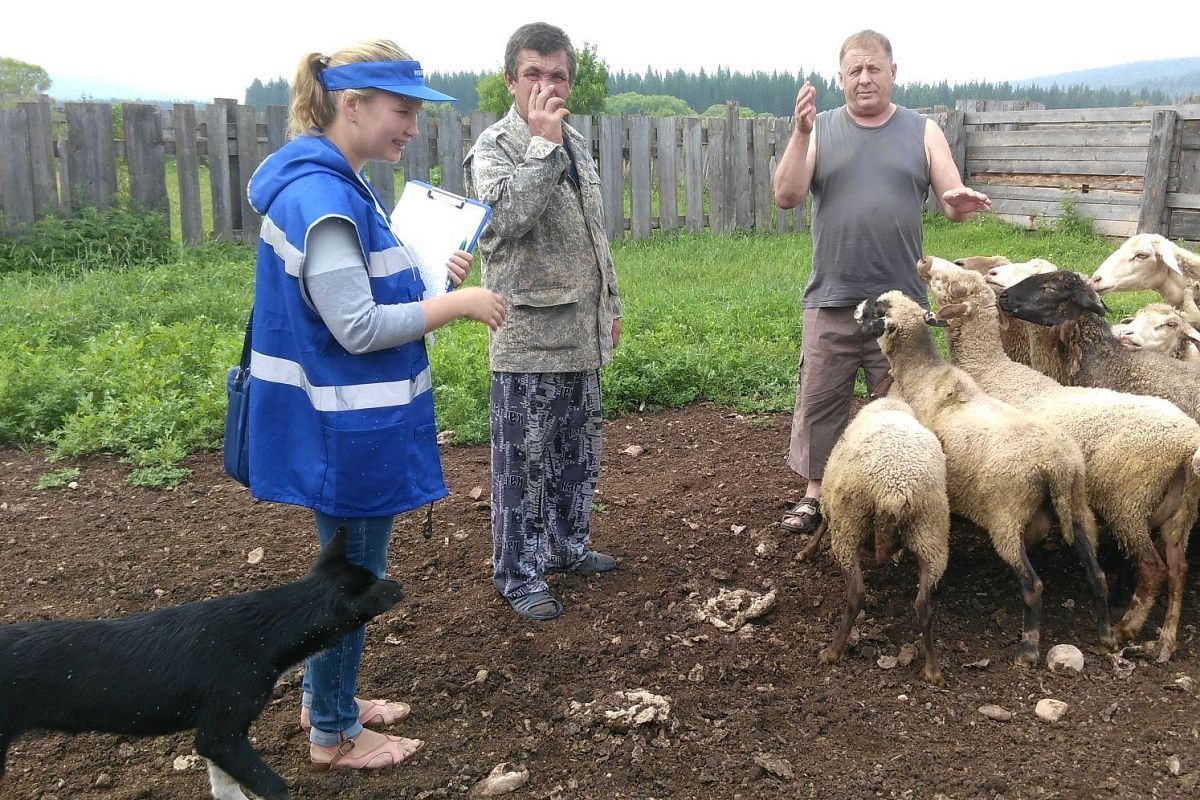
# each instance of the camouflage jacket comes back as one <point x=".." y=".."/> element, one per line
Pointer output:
<point x="544" y="249"/>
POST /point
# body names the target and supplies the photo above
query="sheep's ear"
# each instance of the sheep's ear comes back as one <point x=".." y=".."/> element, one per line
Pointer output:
<point x="932" y="319"/>
<point x="1167" y="252"/>
<point x="953" y="310"/>
<point x="1087" y="299"/>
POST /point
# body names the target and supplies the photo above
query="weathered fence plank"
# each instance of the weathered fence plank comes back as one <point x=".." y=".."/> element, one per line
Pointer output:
<point x="717" y="174"/>
<point x="382" y="176"/>
<point x="41" y="159"/>
<point x="144" y="157"/>
<point x="187" y="170"/>
<point x="1126" y="135"/>
<point x="277" y="122"/>
<point x="450" y="147"/>
<point x="693" y="173"/>
<point x="668" y="173"/>
<point x="612" y="177"/>
<point x="639" y="176"/>
<point x="1060" y="153"/>
<point x="743" y="194"/>
<point x="16" y="177"/>
<point x="91" y="155"/>
<point x="417" y="159"/>
<point x="1157" y="169"/>
<point x="1053" y="208"/>
<point x="764" y="200"/>
<point x="220" y="174"/>
<point x="248" y="159"/>
<point x="975" y="166"/>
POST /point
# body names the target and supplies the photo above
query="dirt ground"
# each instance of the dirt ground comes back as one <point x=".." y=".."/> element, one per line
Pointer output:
<point x="750" y="716"/>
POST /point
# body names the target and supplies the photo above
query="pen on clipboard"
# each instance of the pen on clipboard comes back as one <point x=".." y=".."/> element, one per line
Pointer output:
<point x="449" y="280"/>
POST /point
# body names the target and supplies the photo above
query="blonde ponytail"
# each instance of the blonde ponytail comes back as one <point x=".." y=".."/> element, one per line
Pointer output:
<point x="313" y="109"/>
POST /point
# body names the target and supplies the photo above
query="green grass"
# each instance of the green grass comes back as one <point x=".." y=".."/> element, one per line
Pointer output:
<point x="132" y="362"/>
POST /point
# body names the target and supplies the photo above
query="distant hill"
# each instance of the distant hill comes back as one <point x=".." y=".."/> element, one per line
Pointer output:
<point x="1177" y="77"/>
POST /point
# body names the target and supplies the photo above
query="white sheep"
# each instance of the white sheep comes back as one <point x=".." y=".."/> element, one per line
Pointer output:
<point x="887" y="475"/>
<point x="1151" y="261"/>
<point x="1160" y="328"/>
<point x="1003" y="465"/>
<point x="1139" y="451"/>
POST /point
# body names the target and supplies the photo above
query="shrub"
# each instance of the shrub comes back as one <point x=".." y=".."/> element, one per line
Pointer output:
<point x="93" y="239"/>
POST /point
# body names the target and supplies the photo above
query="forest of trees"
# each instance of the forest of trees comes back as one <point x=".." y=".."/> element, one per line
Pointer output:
<point x="772" y="93"/>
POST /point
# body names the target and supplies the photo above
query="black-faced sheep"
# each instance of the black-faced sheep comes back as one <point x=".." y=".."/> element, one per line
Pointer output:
<point x="1156" y="492"/>
<point x="1151" y="261"/>
<point x="887" y="475"/>
<point x="1085" y="350"/>
<point x="1004" y="467"/>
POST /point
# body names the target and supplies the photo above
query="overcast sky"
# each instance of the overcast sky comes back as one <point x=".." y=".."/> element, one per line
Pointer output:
<point x="216" y="48"/>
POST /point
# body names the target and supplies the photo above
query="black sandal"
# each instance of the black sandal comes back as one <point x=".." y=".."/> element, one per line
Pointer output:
<point x="808" y="514"/>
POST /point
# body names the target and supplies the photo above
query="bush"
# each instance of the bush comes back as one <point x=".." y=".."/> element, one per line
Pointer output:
<point x="93" y="239"/>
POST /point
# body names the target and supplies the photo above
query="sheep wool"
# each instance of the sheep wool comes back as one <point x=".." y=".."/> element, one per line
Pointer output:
<point x="887" y="474"/>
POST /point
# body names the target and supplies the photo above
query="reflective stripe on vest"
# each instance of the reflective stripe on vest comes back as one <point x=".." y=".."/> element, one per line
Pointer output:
<point x="355" y="397"/>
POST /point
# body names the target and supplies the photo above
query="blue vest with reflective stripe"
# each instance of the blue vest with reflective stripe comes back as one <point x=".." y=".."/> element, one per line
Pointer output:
<point x="348" y="435"/>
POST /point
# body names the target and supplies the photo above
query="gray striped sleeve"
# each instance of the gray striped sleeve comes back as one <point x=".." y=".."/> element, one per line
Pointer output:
<point x="335" y="283"/>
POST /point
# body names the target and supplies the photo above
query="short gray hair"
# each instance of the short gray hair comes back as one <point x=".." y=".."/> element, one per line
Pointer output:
<point x="542" y="38"/>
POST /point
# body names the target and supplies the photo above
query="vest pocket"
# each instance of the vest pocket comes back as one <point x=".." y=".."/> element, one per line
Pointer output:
<point x="545" y="319"/>
<point x="377" y="471"/>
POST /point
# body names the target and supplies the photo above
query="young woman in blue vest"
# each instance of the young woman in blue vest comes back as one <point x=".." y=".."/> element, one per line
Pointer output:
<point x="341" y="407"/>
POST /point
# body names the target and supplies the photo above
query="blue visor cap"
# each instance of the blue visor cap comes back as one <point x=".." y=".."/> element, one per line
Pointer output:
<point x="404" y="78"/>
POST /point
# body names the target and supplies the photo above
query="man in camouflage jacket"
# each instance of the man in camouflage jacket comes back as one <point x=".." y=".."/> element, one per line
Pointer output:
<point x="545" y="251"/>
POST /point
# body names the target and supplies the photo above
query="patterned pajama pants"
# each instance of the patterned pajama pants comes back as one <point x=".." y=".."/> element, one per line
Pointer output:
<point x="546" y="444"/>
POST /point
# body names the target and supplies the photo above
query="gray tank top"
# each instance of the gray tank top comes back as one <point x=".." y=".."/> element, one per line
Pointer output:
<point x="868" y="190"/>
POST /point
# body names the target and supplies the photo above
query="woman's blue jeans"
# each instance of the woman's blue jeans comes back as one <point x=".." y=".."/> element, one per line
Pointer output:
<point x="331" y="676"/>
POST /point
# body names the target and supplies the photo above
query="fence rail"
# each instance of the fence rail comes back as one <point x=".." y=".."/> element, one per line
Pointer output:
<point x="1128" y="169"/>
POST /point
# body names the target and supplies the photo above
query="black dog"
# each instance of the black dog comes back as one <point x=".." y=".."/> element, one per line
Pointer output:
<point x="209" y="665"/>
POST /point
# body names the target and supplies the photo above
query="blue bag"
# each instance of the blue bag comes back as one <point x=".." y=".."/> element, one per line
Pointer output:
<point x="237" y="416"/>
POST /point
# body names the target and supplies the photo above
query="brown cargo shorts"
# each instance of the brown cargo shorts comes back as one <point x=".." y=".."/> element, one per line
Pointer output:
<point x="832" y="351"/>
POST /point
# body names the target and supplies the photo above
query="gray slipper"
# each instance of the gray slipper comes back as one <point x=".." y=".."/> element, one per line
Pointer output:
<point x="538" y="606"/>
<point x="593" y="563"/>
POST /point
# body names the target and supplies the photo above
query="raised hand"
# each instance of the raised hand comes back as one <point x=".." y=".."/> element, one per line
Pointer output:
<point x="546" y="113"/>
<point x="806" y="108"/>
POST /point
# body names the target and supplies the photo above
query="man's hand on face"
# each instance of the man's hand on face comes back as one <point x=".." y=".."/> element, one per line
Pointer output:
<point x="547" y="111"/>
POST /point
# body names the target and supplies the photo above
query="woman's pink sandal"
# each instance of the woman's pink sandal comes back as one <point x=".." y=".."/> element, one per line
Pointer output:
<point x="344" y="755"/>
<point x="371" y="713"/>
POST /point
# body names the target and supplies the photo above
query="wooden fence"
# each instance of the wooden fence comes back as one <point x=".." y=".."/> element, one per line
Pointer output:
<point x="1128" y="169"/>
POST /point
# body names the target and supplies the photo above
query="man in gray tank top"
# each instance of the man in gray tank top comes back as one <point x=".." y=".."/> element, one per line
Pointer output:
<point x="869" y="166"/>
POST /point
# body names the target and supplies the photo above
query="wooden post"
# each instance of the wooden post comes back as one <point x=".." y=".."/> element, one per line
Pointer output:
<point x="693" y="173"/>
<point x="714" y="163"/>
<point x="1152" y="216"/>
<point x="743" y="204"/>
<point x="220" y="172"/>
<point x="248" y="159"/>
<point x="760" y="174"/>
<point x="16" y="178"/>
<point x="416" y="153"/>
<point x="450" y="151"/>
<point x="92" y="156"/>
<point x="383" y="177"/>
<point x="729" y="189"/>
<point x="668" y="174"/>
<point x="277" y="121"/>
<point x="187" y="169"/>
<point x="145" y="158"/>
<point x="41" y="154"/>
<point x="612" y="175"/>
<point x="781" y="131"/>
<point x="639" y="176"/>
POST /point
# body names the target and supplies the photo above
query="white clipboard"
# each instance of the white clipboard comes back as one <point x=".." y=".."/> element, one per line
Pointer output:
<point x="434" y="223"/>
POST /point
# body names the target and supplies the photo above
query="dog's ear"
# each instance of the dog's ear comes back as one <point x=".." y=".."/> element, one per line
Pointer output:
<point x="933" y="320"/>
<point x="335" y="551"/>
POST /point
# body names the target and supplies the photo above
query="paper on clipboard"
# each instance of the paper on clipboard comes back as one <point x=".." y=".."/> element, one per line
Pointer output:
<point x="434" y="223"/>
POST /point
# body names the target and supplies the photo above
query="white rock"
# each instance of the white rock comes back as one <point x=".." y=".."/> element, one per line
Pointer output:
<point x="182" y="763"/>
<point x="476" y="492"/>
<point x="73" y="485"/>
<point x="1174" y="766"/>
<point x="1050" y="710"/>
<point x="1064" y="656"/>
<point x="887" y="662"/>
<point x="733" y="608"/>
<point x="634" y="450"/>
<point x="1184" y="682"/>
<point x="255" y="556"/>
<point x="503" y="778"/>
<point x="996" y="712"/>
